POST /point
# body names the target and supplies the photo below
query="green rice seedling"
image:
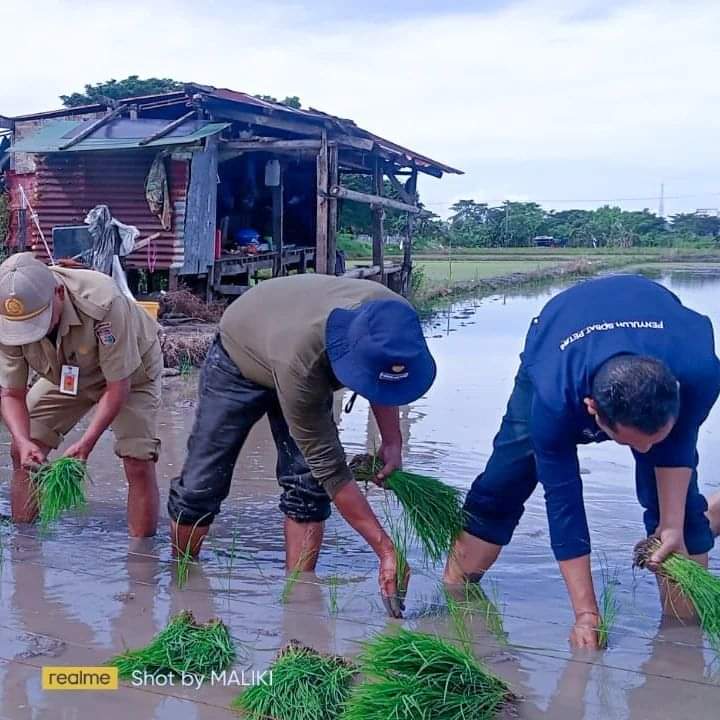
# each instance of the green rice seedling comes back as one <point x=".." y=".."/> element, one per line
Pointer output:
<point x="305" y="685"/>
<point x="294" y="575"/>
<point x="473" y="601"/>
<point x="459" y="616"/>
<point x="414" y="676"/>
<point x="185" y="367"/>
<point x="434" y="509"/>
<point x="59" y="486"/>
<point x="609" y="606"/>
<point x="697" y="583"/>
<point x="333" y="585"/>
<point x="184" y="555"/>
<point x="477" y="601"/>
<point x="184" y="646"/>
<point x="401" y="536"/>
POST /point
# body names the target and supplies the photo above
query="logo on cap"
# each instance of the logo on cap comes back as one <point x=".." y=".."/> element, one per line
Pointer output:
<point x="397" y="373"/>
<point x="14" y="307"/>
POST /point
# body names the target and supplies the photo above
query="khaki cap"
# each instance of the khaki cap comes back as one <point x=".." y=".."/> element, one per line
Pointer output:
<point x="26" y="292"/>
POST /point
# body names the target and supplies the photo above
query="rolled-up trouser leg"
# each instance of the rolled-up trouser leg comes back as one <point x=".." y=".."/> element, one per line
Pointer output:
<point x="302" y="499"/>
<point x="698" y="536"/>
<point x="496" y="500"/>
<point x="228" y="407"/>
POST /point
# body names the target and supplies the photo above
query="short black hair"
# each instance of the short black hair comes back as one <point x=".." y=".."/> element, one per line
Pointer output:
<point x="636" y="391"/>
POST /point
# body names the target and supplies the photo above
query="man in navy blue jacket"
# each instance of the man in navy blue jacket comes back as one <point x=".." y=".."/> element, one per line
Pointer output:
<point x="619" y="358"/>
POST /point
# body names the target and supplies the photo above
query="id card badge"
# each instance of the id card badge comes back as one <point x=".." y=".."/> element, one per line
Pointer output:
<point x="69" y="376"/>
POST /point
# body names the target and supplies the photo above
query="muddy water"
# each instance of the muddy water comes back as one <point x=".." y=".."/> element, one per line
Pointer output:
<point x="81" y="593"/>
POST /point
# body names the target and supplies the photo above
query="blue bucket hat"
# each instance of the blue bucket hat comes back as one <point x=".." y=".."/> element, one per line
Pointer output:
<point x="378" y="351"/>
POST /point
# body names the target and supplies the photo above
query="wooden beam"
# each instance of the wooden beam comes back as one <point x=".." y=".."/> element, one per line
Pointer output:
<point x="270" y="145"/>
<point x="399" y="188"/>
<point x="344" y="193"/>
<point x="223" y="112"/>
<point x="277" y="222"/>
<point x="321" y="243"/>
<point x="90" y="129"/>
<point x="363" y="272"/>
<point x="333" y="179"/>
<point x="353" y="142"/>
<point x="411" y="189"/>
<point x="378" y="220"/>
<point x="168" y="128"/>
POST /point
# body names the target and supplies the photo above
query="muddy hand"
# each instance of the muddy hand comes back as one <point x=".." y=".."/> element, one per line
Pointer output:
<point x="393" y="598"/>
<point x="673" y="541"/>
<point x="391" y="455"/>
<point x="31" y="456"/>
<point x="584" y="634"/>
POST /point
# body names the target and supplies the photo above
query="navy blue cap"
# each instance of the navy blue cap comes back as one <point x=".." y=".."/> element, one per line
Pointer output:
<point x="378" y="351"/>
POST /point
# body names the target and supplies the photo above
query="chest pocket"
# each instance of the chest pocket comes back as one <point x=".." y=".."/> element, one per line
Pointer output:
<point x="81" y="349"/>
<point x="37" y="359"/>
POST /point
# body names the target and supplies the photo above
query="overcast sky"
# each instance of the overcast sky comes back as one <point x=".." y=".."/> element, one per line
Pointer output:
<point x="569" y="103"/>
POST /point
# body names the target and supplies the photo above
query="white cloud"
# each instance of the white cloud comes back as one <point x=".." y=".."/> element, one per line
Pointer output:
<point x="545" y="99"/>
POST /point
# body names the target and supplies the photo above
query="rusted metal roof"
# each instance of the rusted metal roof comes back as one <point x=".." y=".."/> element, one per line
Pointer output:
<point x="65" y="187"/>
<point x="311" y="118"/>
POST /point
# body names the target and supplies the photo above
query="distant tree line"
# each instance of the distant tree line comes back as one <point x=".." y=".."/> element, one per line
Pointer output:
<point x="518" y="224"/>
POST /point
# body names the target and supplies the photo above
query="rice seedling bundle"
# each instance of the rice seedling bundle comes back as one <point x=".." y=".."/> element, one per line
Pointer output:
<point x="305" y="686"/>
<point x="184" y="646"/>
<point x="434" y="509"/>
<point x="59" y="486"/>
<point x="416" y="676"/>
<point x="697" y="583"/>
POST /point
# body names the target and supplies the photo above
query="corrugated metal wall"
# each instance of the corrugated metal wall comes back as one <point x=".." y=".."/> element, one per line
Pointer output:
<point x="65" y="187"/>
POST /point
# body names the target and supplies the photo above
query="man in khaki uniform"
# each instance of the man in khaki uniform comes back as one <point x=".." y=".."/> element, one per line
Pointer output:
<point x="283" y="348"/>
<point x="90" y="347"/>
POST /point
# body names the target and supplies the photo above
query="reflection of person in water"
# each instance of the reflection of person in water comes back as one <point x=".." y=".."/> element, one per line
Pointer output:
<point x="620" y="359"/>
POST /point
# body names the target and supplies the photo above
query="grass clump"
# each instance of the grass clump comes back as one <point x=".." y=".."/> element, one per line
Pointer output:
<point x="304" y="685"/>
<point x="434" y="509"/>
<point x="697" y="583"/>
<point x="416" y="676"/>
<point x="59" y="486"/>
<point x="184" y="646"/>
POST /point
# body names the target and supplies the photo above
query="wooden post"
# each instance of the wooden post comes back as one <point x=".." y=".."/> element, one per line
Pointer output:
<point x="406" y="275"/>
<point x="277" y="232"/>
<point x="333" y="179"/>
<point x="378" y="218"/>
<point x="321" y="253"/>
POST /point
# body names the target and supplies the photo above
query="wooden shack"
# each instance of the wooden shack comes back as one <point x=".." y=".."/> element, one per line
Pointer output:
<point x="221" y="184"/>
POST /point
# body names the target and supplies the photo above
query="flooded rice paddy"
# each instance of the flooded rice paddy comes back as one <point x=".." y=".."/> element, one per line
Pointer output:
<point x="82" y="593"/>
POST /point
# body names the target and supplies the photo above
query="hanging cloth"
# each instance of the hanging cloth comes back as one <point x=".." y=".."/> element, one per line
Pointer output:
<point x="157" y="191"/>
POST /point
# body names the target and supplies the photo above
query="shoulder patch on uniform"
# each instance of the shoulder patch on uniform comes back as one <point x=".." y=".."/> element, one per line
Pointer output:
<point x="104" y="333"/>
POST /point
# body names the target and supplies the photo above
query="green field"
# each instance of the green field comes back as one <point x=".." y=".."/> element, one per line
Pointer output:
<point x="444" y="272"/>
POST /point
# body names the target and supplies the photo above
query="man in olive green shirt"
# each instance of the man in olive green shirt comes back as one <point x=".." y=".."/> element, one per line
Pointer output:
<point x="284" y="347"/>
<point x="90" y="347"/>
